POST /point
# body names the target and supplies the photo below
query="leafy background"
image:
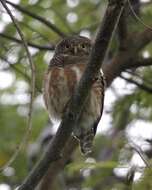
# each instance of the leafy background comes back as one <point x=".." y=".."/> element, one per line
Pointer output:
<point x="127" y="107"/>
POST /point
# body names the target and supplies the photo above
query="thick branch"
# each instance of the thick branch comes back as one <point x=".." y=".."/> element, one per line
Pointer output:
<point x="77" y="101"/>
<point x="40" y="47"/>
<point x="37" y="17"/>
<point x="139" y="63"/>
<point x="47" y="182"/>
<point x="126" y="59"/>
<point x="142" y="39"/>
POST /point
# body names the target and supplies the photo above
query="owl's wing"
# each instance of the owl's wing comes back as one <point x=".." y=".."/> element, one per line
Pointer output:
<point x="101" y="82"/>
<point x="57" y="60"/>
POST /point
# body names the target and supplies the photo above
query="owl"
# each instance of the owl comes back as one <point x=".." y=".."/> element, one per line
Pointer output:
<point x="62" y="77"/>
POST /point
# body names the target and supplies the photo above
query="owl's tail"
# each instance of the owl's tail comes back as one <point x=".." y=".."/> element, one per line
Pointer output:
<point x="86" y="143"/>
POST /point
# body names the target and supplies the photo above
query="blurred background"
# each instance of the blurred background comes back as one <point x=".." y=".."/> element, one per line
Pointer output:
<point x="122" y="153"/>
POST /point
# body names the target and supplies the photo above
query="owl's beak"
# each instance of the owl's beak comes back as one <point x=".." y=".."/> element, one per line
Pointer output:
<point x="75" y="50"/>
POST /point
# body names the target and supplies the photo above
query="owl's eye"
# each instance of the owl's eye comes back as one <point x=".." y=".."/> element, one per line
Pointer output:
<point x="67" y="46"/>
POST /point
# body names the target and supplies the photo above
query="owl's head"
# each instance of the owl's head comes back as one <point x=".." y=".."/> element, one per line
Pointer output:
<point x="75" y="45"/>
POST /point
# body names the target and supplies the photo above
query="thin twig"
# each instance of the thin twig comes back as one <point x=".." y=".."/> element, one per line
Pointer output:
<point x="40" y="47"/>
<point x="63" y="19"/>
<point x="141" y="154"/>
<point x="37" y="17"/>
<point x="141" y="86"/>
<point x="141" y="78"/>
<point x="32" y="67"/>
<point x="122" y="31"/>
<point x="34" y="29"/>
<point x="13" y="66"/>
<point x="138" y="18"/>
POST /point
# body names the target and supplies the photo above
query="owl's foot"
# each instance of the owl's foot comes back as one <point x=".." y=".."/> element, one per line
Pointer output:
<point x="86" y="147"/>
<point x="86" y="142"/>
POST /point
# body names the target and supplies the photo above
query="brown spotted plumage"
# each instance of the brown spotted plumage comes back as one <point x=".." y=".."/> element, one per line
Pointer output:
<point x="62" y="77"/>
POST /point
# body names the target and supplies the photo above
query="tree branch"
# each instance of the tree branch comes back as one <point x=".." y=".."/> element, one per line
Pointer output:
<point x="138" y="76"/>
<point x="142" y="39"/>
<point x="122" y="31"/>
<point x="125" y="59"/>
<point x="48" y="179"/>
<point x="37" y="17"/>
<point x="40" y="47"/>
<point x="13" y="66"/>
<point x="141" y="86"/>
<point x="32" y="67"/>
<point x="141" y="62"/>
<point x="114" y="68"/>
<point x="113" y="12"/>
<point x="16" y="69"/>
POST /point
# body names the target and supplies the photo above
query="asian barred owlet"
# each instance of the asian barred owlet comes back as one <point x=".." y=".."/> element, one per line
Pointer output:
<point x="62" y="77"/>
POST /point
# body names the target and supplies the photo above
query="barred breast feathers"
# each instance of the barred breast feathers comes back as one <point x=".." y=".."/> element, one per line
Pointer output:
<point x="65" y="77"/>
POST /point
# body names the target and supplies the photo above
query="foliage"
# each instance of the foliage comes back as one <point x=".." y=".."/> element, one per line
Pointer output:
<point x="71" y="17"/>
